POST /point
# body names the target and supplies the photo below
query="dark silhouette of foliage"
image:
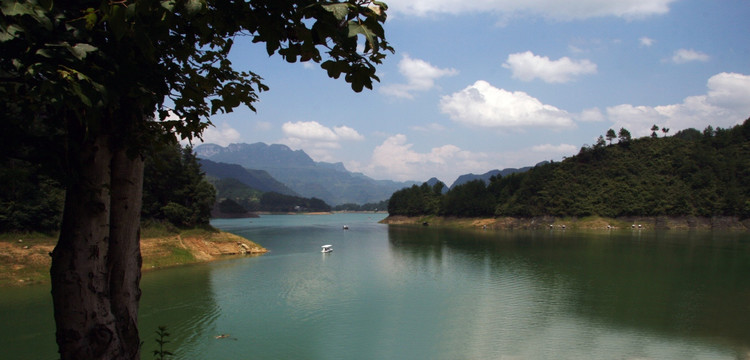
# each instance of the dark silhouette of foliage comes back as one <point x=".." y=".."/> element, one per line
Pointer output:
<point x="174" y="188"/>
<point x="611" y="136"/>
<point x="229" y="206"/>
<point x="275" y="202"/>
<point x="29" y="200"/>
<point x="417" y="200"/>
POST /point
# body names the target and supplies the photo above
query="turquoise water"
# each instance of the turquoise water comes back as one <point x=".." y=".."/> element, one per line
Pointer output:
<point x="394" y="292"/>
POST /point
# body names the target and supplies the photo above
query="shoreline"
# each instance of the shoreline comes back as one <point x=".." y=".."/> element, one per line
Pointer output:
<point x="259" y="213"/>
<point x="25" y="260"/>
<point x="589" y="223"/>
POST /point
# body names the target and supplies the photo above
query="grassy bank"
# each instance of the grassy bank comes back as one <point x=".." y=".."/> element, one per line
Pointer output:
<point x="25" y="259"/>
<point x="591" y="222"/>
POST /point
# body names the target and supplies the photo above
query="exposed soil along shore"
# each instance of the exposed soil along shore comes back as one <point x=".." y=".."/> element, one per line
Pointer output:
<point x="592" y="222"/>
<point x="26" y="259"/>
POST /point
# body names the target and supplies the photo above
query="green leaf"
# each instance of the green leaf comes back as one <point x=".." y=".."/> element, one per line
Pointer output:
<point x="168" y="4"/>
<point x="194" y="6"/>
<point x="45" y="53"/>
<point x="81" y="50"/>
<point x="339" y="10"/>
<point x="90" y="18"/>
<point x="14" y="8"/>
<point x="10" y="32"/>
<point x="357" y="28"/>
<point x="335" y="68"/>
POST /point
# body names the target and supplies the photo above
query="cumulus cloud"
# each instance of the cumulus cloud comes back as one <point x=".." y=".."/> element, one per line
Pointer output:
<point x="484" y="105"/>
<point x="725" y="104"/>
<point x="221" y="135"/>
<point x="682" y="56"/>
<point x="646" y="41"/>
<point x="591" y="115"/>
<point x="395" y="159"/>
<point x="308" y="130"/>
<point x="316" y="139"/>
<point x="555" y="150"/>
<point x="553" y="9"/>
<point x="526" y="67"/>
<point x="420" y="76"/>
<point x="347" y="133"/>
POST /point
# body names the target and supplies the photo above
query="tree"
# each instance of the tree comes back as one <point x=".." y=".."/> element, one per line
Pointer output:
<point x="599" y="142"/>
<point x="175" y="188"/>
<point x="654" y="129"/>
<point x="91" y="85"/>
<point x="665" y="131"/>
<point x="624" y="135"/>
<point x="611" y="136"/>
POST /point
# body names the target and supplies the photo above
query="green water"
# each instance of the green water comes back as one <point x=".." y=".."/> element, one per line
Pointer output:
<point x="424" y="293"/>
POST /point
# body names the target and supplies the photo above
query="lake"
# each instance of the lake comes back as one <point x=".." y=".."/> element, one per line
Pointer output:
<point x="401" y="292"/>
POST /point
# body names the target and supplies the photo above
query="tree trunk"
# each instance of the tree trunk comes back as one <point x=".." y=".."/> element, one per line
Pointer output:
<point x="124" y="254"/>
<point x="96" y="264"/>
<point x="80" y="290"/>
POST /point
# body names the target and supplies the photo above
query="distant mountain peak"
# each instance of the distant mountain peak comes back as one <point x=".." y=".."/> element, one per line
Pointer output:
<point x="256" y="156"/>
<point x="331" y="182"/>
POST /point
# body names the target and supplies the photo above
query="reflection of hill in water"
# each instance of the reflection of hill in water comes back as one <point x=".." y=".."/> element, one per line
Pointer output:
<point x="677" y="284"/>
<point x="181" y="299"/>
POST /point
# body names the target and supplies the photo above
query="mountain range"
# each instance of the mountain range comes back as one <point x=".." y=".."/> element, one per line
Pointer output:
<point x="280" y="169"/>
<point x="296" y="171"/>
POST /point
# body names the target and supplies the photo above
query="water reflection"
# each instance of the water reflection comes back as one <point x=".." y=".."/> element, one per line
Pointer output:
<point x="181" y="299"/>
<point x="544" y="291"/>
<point x="27" y="328"/>
<point x="390" y="292"/>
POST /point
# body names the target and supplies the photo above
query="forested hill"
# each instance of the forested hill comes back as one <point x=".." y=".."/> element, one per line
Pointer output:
<point x="692" y="173"/>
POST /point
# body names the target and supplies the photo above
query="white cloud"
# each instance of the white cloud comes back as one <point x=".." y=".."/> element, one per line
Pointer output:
<point x="724" y="105"/>
<point x="317" y="140"/>
<point x="308" y="130"/>
<point x="221" y="135"/>
<point x="591" y="115"/>
<point x="555" y="150"/>
<point x="684" y="55"/>
<point x="420" y="76"/>
<point x="526" y="67"/>
<point x="554" y="9"/>
<point x="646" y="41"/>
<point x="395" y="159"/>
<point x="347" y="133"/>
<point x="484" y="105"/>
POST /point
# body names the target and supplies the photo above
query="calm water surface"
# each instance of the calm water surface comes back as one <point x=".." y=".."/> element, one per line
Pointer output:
<point x="390" y="292"/>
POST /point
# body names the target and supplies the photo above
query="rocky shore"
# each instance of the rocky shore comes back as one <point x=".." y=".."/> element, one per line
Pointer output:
<point x="592" y="222"/>
<point x="26" y="260"/>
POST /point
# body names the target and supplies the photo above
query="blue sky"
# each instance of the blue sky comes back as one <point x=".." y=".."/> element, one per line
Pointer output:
<point x="491" y="84"/>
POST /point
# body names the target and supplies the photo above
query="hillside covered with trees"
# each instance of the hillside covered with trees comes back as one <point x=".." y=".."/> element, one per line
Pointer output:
<point x="174" y="190"/>
<point x="692" y="173"/>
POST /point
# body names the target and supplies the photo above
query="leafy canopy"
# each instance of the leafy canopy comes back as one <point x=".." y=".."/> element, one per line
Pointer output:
<point x="108" y="66"/>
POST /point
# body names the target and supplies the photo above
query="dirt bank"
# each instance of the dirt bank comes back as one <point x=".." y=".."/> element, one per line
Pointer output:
<point x="26" y="259"/>
<point x="592" y="222"/>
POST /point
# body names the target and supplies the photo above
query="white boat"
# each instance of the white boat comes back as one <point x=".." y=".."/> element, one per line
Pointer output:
<point x="327" y="248"/>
